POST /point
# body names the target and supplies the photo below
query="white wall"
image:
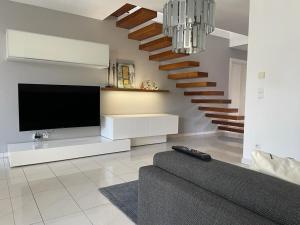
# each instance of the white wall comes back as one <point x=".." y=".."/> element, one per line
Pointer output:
<point x="273" y="122"/>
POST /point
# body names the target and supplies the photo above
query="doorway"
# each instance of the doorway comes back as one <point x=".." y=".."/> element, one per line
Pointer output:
<point x="237" y="84"/>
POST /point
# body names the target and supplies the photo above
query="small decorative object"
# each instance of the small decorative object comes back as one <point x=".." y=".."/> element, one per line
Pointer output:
<point x="189" y="22"/>
<point x="125" y="75"/>
<point x="149" y="85"/>
<point x="115" y="84"/>
<point x="108" y="76"/>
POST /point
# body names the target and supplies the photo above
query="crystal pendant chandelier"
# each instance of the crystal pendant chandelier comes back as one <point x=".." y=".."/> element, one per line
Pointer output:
<point x="189" y="22"/>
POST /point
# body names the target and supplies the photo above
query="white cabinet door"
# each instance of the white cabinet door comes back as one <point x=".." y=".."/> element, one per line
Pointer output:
<point x="130" y="127"/>
<point x="44" y="48"/>
<point x="163" y="125"/>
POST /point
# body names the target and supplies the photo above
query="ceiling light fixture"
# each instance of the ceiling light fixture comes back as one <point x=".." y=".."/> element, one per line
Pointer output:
<point x="189" y="22"/>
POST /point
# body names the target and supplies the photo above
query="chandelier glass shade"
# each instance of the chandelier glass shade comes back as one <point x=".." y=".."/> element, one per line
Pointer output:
<point x="189" y="22"/>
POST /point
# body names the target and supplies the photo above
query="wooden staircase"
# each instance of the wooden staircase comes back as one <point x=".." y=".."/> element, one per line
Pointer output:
<point x="179" y="65"/>
<point x="144" y="26"/>
<point x="156" y="44"/>
<point x="216" y="109"/>
<point x="137" y="18"/>
<point x="167" y="55"/>
<point x="212" y="101"/>
<point x="146" y="32"/>
<point x="187" y="75"/>
<point x="204" y="93"/>
<point x="196" y="84"/>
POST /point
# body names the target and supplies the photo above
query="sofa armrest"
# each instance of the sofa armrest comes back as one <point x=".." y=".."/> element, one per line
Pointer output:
<point x="165" y="199"/>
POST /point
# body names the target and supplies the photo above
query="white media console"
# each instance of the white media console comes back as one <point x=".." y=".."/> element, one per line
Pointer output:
<point x="142" y="129"/>
<point x="50" y="151"/>
<point x="119" y="133"/>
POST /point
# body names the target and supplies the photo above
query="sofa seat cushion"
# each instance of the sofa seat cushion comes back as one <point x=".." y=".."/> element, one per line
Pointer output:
<point x="267" y="196"/>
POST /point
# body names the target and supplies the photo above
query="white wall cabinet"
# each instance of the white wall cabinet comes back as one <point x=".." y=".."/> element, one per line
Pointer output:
<point x="44" y="48"/>
<point x="141" y="128"/>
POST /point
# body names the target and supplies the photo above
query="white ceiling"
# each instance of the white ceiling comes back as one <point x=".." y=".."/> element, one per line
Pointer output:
<point x="232" y="15"/>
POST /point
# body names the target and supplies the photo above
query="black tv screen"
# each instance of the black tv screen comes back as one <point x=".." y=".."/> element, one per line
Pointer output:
<point x="58" y="106"/>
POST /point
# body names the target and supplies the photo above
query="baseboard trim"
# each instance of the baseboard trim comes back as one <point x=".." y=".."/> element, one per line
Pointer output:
<point x="148" y="140"/>
<point x="230" y="134"/>
<point x="192" y="134"/>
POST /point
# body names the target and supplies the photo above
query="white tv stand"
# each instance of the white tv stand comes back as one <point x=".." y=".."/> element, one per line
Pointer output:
<point x="56" y="150"/>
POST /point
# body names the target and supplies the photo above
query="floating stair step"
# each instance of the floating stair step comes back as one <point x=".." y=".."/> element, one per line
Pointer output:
<point x="137" y="18"/>
<point x="231" y="129"/>
<point x="124" y="9"/>
<point x="212" y="101"/>
<point x="166" y="56"/>
<point x="204" y="93"/>
<point x="228" y="123"/>
<point x="179" y="65"/>
<point x="227" y="117"/>
<point x="146" y="32"/>
<point x="160" y="43"/>
<point x="217" y="109"/>
<point x="189" y="75"/>
<point x="196" y="84"/>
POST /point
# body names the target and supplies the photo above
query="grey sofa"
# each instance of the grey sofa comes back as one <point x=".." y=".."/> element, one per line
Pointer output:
<point x="182" y="190"/>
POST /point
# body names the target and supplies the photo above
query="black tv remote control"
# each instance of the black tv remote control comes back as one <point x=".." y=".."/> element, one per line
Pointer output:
<point x="192" y="152"/>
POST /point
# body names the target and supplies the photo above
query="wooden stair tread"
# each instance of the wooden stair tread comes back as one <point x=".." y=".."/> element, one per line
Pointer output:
<point x="166" y="56"/>
<point x="228" y="123"/>
<point x="136" y="18"/>
<point x="212" y="101"/>
<point x="231" y="129"/>
<point x="124" y="9"/>
<point x="146" y="32"/>
<point x="227" y="117"/>
<point x="217" y="109"/>
<point x="179" y="65"/>
<point x="160" y="43"/>
<point x="196" y="84"/>
<point x="188" y="75"/>
<point x="204" y="93"/>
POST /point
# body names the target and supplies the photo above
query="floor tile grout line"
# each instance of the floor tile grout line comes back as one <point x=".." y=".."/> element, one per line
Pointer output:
<point x="118" y="176"/>
<point x="40" y="213"/>
<point x="89" y="177"/>
<point x="85" y="174"/>
<point x="96" y="186"/>
<point x="82" y="210"/>
<point x="112" y="171"/>
<point x="10" y="200"/>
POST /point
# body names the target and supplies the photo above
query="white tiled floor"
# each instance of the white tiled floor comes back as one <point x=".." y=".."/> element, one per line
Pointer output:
<point x="66" y="193"/>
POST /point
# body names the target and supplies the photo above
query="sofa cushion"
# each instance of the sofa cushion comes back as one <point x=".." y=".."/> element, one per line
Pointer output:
<point x="267" y="196"/>
<point x="284" y="168"/>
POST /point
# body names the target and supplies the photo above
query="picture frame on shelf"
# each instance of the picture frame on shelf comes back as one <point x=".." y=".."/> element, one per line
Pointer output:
<point x="125" y="75"/>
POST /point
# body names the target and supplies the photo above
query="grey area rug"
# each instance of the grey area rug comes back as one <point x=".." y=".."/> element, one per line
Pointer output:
<point x="125" y="197"/>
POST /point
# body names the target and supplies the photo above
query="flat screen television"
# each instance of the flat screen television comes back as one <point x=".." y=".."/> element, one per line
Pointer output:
<point x="44" y="107"/>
